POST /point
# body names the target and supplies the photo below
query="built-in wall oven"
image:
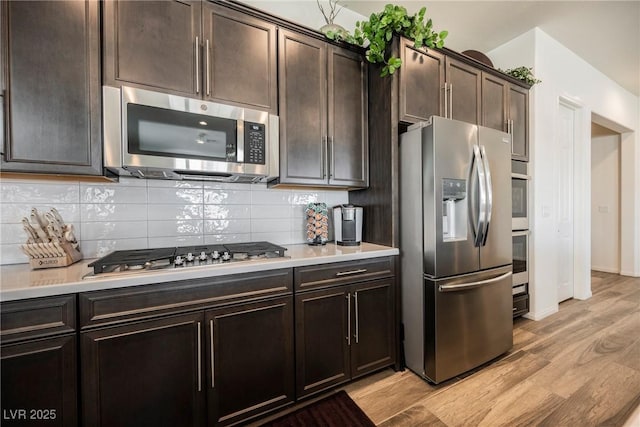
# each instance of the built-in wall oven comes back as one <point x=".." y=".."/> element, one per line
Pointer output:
<point x="519" y="195"/>
<point x="520" y="236"/>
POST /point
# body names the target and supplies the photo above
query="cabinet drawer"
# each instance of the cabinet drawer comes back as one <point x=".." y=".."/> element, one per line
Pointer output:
<point x="339" y="273"/>
<point x="520" y="305"/>
<point x="140" y="302"/>
<point x="38" y="317"/>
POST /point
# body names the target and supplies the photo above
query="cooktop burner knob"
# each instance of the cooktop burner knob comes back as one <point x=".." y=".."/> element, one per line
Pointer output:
<point x="215" y="255"/>
<point x="178" y="261"/>
<point x="226" y="256"/>
<point x="189" y="257"/>
<point x="203" y="256"/>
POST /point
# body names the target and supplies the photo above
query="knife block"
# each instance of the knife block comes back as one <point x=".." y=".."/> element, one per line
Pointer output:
<point x="72" y="256"/>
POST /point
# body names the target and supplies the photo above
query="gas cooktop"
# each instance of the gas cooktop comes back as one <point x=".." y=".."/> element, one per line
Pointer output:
<point x="144" y="260"/>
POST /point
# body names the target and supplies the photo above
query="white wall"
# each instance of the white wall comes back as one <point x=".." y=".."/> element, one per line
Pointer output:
<point x="306" y="12"/>
<point x="566" y="75"/>
<point x="136" y="214"/>
<point x="605" y="200"/>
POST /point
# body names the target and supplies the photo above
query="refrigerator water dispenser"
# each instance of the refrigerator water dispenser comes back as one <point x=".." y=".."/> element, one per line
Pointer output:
<point x="454" y="209"/>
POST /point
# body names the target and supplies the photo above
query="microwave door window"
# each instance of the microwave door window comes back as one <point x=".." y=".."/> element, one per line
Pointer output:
<point x="169" y="133"/>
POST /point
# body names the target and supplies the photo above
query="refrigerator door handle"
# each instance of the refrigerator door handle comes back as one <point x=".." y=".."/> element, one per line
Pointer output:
<point x="482" y="194"/>
<point x="471" y="285"/>
<point x="489" y="189"/>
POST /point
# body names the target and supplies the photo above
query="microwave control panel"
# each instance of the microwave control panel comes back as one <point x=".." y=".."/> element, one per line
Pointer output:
<point x="254" y="143"/>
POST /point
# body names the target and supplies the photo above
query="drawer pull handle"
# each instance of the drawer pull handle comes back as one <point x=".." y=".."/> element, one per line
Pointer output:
<point x="514" y="309"/>
<point x="350" y="272"/>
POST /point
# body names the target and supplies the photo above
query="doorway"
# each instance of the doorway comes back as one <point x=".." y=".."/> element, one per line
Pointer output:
<point x="565" y="199"/>
<point x="605" y="199"/>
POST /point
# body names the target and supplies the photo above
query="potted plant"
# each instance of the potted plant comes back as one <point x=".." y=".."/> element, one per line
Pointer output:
<point x="330" y="26"/>
<point x="377" y="33"/>
<point x="523" y="73"/>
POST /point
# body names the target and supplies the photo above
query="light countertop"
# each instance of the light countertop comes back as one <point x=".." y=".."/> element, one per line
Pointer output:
<point x="20" y="282"/>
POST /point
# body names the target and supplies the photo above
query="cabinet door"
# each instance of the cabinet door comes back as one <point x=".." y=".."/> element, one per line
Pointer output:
<point x="302" y="70"/>
<point x="53" y="87"/>
<point x="519" y="116"/>
<point x="322" y="347"/>
<point x="464" y="91"/>
<point x="348" y="123"/>
<point x="40" y="378"/>
<point x="153" y="44"/>
<point x="373" y="340"/>
<point x="494" y="102"/>
<point x="145" y="373"/>
<point x="250" y="353"/>
<point x="239" y="59"/>
<point x="421" y="83"/>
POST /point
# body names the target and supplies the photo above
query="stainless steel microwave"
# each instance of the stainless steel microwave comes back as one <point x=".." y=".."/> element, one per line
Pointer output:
<point x="156" y="135"/>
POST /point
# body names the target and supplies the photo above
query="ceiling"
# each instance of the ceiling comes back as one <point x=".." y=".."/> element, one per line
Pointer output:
<point x="606" y="34"/>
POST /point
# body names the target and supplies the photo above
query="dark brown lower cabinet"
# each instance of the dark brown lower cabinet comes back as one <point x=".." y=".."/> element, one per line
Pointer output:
<point x="250" y="352"/>
<point x="39" y="382"/>
<point x="342" y="333"/>
<point x="159" y="372"/>
<point x="145" y="373"/>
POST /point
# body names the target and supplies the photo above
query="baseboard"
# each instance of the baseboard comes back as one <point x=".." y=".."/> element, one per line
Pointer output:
<point x="539" y="315"/>
<point x="606" y="269"/>
<point x="580" y="296"/>
<point x="629" y="273"/>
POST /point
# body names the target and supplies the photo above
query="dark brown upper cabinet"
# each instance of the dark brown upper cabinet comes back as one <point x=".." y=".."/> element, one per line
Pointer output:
<point x="51" y="55"/>
<point x="323" y="113"/>
<point x="462" y="91"/>
<point x="434" y="84"/>
<point x="518" y="102"/>
<point x="191" y="48"/>
<point x="421" y="83"/>
<point x="505" y="106"/>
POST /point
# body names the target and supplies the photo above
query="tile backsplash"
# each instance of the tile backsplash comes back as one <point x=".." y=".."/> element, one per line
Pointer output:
<point x="134" y="213"/>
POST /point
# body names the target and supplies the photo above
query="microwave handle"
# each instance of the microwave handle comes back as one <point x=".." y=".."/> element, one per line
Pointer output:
<point x="197" y="52"/>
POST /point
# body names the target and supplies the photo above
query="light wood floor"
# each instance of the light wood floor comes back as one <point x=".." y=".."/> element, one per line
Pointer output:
<point x="578" y="367"/>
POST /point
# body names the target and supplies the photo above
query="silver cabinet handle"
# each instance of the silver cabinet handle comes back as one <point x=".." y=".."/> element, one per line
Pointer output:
<point x="446" y="104"/>
<point x="197" y="50"/>
<point x="208" y="71"/>
<point x="332" y="164"/>
<point x="213" y="355"/>
<point x="348" y="297"/>
<point x="324" y="156"/>
<point x="350" y="272"/>
<point x="355" y="301"/>
<point x="471" y="285"/>
<point x="199" y="357"/>
<point x="451" y="100"/>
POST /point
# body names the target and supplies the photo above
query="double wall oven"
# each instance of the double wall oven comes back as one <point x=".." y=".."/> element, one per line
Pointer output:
<point x="520" y="236"/>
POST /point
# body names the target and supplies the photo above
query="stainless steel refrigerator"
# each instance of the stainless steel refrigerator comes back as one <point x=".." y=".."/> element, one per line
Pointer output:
<point x="455" y="246"/>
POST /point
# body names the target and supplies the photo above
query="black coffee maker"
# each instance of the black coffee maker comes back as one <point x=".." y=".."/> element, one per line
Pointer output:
<point x="347" y="225"/>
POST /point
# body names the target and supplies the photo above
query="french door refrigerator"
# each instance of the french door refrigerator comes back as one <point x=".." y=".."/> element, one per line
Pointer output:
<point x="455" y="246"/>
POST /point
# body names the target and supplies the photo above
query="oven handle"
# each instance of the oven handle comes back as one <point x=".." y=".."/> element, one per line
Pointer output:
<point x="520" y="176"/>
<point x="472" y="285"/>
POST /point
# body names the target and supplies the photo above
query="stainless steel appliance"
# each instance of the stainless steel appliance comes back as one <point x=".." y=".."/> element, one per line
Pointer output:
<point x="519" y="195"/>
<point x="520" y="244"/>
<point x="455" y="246"/>
<point x="145" y="260"/>
<point x="156" y="135"/>
<point x="347" y="223"/>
